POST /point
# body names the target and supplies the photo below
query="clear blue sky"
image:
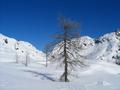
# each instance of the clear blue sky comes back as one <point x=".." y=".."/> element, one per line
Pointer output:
<point x="35" y="20"/>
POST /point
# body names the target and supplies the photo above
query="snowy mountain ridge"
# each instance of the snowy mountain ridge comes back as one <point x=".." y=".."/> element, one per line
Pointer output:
<point x="105" y="48"/>
<point x="12" y="49"/>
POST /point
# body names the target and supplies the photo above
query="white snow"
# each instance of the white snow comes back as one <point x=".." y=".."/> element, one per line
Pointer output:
<point x="15" y="49"/>
<point x="101" y="74"/>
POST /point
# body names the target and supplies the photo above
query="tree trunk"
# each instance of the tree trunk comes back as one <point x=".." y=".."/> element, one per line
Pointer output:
<point x="65" y="58"/>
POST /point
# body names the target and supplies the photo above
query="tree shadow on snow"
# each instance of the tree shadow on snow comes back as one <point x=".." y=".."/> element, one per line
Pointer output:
<point x="44" y="75"/>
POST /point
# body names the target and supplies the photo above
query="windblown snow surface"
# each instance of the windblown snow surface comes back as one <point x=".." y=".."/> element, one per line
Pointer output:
<point x="101" y="73"/>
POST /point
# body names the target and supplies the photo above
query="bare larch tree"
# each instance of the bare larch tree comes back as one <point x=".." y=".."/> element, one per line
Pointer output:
<point x="67" y="50"/>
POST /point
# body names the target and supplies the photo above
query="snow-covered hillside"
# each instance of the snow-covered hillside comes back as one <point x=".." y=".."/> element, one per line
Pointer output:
<point x="101" y="74"/>
<point x="12" y="50"/>
<point x="105" y="48"/>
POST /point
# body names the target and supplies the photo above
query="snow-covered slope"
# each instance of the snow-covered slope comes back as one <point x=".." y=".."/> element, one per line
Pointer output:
<point x="105" y="48"/>
<point x="12" y="50"/>
<point x="103" y="74"/>
<point x="100" y="76"/>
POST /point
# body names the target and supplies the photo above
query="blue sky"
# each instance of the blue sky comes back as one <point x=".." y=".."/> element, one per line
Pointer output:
<point x="36" y="20"/>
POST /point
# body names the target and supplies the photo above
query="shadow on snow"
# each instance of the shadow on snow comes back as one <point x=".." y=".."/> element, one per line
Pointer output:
<point x="44" y="75"/>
